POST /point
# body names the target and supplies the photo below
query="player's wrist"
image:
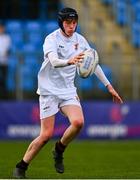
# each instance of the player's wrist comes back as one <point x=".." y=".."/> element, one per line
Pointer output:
<point x="108" y="86"/>
<point x="69" y="62"/>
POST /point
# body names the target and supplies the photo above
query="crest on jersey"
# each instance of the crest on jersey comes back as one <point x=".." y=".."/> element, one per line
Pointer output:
<point x="76" y="46"/>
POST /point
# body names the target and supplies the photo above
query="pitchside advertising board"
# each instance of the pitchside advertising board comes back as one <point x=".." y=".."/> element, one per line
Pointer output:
<point x="103" y="120"/>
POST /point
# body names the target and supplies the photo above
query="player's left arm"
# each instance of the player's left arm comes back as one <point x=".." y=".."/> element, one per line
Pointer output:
<point x="57" y="63"/>
<point x="100" y="74"/>
<point x="115" y="95"/>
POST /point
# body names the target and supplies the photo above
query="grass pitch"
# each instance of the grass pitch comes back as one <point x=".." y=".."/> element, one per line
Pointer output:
<point x="82" y="159"/>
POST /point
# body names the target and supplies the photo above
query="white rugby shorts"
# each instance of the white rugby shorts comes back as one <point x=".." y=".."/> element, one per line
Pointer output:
<point x="50" y="104"/>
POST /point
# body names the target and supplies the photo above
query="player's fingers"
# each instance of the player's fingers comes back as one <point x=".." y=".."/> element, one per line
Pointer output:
<point x="117" y="99"/>
<point x="81" y="54"/>
<point x="80" y="60"/>
<point x="120" y="100"/>
<point x="113" y="99"/>
<point x="80" y="57"/>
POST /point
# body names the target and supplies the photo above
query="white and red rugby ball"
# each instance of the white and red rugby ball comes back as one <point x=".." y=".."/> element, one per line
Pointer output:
<point x="87" y="67"/>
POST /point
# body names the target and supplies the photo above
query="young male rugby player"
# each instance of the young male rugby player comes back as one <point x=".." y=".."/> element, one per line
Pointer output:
<point x="62" y="50"/>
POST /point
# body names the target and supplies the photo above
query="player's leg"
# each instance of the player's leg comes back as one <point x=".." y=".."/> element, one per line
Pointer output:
<point x="48" y="108"/>
<point x="47" y="126"/>
<point x="75" y="116"/>
<point x="46" y="132"/>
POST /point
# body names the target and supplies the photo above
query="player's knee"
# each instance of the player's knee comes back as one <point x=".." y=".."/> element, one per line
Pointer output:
<point x="78" y="123"/>
<point x="46" y="137"/>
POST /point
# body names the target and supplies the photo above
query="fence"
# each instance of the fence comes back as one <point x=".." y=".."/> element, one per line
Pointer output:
<point x="124" y="75"/>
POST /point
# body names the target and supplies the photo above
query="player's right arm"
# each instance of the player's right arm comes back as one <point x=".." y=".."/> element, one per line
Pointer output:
<point x="50" y="52"/>
<point x="56" y="62"/>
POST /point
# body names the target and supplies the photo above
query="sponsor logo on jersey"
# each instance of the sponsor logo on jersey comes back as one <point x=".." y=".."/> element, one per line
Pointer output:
<point x="61" y="46"/>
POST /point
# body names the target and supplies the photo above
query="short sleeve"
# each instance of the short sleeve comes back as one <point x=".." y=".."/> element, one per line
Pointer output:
<point x="49" y="45"/>
<point x="84" y="43"/>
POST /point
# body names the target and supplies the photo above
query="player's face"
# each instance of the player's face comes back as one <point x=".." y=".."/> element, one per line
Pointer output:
<point x="69" y="26"/>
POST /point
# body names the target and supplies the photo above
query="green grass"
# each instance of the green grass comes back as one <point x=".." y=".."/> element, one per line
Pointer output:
<point x="83" y="159"/>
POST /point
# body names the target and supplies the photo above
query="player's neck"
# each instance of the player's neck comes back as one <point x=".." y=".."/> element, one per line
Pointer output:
<point x="64" y="34"/>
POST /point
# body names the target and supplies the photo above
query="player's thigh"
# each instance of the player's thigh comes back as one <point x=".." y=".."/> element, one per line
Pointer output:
<point x="47" y="126"/>
<point x="74" y="113"/>
<point x="48" y="105"/>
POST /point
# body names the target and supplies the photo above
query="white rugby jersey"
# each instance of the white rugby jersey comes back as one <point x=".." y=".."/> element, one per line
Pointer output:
<point x="60" y="80"/>
<point x="56" y="77"/>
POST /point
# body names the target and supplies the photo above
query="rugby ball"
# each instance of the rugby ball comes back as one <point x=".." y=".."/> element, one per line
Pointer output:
<point x="87" y="67"/>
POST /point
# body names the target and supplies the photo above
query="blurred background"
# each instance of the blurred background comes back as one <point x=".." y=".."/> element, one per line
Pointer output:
<point x="112" y="27"/>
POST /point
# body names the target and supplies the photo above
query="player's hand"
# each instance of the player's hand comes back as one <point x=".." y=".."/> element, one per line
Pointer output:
<point x="116" y="97"/>
<point x="76" y="59"/>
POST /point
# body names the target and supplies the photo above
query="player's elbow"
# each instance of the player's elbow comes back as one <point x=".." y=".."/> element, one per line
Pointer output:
<point x="53" y="63"/>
